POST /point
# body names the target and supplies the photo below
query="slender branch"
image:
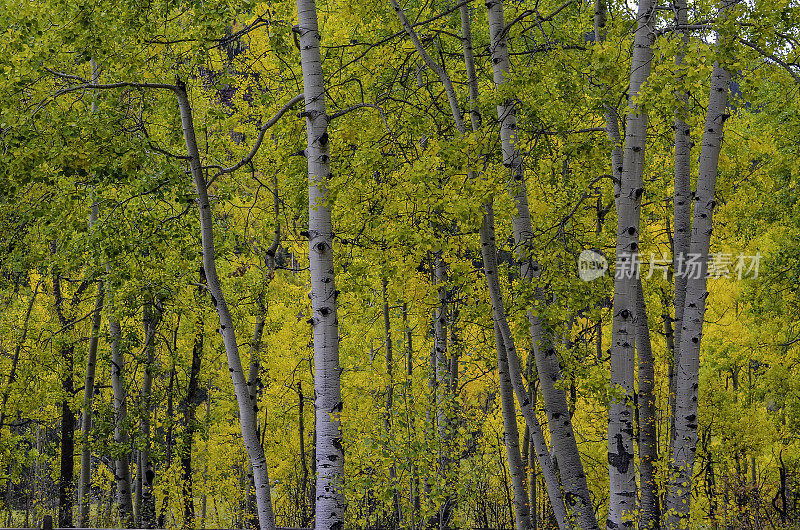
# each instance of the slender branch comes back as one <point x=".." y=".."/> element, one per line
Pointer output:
<point x="433" y="65"/>
<point x="539" y="18"/>
<point x="342" y="112"/>
<point x="261" y="132"/>
<point x="772" y="57"/>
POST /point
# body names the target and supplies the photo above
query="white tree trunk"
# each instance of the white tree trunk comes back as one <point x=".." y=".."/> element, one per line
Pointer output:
<point x="122" y="463"/>
<point x="247" y="409"/>
<point x="649" y="516"/>
<point x="145" y="473"/>
<point x="621" y="468"/>
<point x="510" y="381"/>
<point x="330" y="501"/>
<point x="516" y="467"/>
<point x="688" y="367"/>
<point x="682" y="202"/>
<point x="84" y="483"/>
<point x="573" y="478"/>
<point x="84" y="486"/>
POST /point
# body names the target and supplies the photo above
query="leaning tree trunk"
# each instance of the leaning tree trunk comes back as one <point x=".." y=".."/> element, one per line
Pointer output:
<point x="330" y="501"/>
<point x="688" y="368"/>
<point x="247" y="409"/>
<point x="573" y="478"/>
<point x="510" y="374"/>
<point x="649" y="515"/>
<point x="621" y="468"/>
<point x="516" y="465"/>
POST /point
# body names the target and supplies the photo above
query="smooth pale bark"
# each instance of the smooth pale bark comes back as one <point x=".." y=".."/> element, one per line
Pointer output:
<point x="688" y="368"/>
<point x="649" y="515"/>
<point x="504" y="344"/>
<point x="122" y="463"/>
<point x="521" y="197"/>
<point x="508" y="356"/>
<point x="330" y="501"/>
<point x="531" y="461"/>
<point x="565" y="447"/>
<point x="247" y="409"/>
<point x="88" y="394"/>
<point x="88" y="386"/>
<point x="442" y="374"/>
<point x="683" y="195"/>
<point x="621" y="468"/>
<point x="516" y="466"/>
<point x="307" y="498"/>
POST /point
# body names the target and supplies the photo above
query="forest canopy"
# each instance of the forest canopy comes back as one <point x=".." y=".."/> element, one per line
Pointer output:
<point x="331" y="264"/>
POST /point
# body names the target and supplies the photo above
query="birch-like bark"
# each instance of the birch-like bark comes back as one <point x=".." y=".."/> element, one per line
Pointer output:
<point x="573" y="478"/>
<point x="621" y="468"/>
<point x="683" y="195"/>
<point x="88" y="394"/>
<point x="509" y="120"/>
<point x="516" y="466"/>
<point x="88" y="386"/>
<point x="531" y="461"/>
<point x="440" y="359"/>
<point x="330" y="501"/>
<point x="305" y="492"/>
<point x="649" y="515"/>
<point x="122" y="463"/>
<point x="247" y="409"/>
<point x="510" y="371"/>
<point x="688" y="368"/>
